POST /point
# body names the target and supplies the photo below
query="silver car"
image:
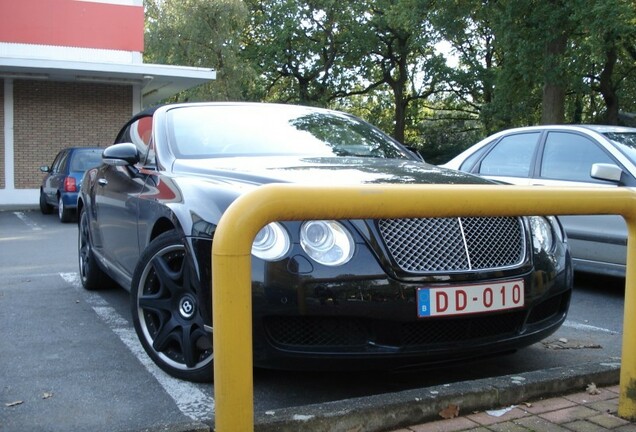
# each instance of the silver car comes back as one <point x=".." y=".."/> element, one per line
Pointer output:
<point x="566" y="155"/>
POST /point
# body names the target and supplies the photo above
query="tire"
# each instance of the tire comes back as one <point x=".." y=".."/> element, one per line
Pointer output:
<point x="165" y="311"/>
<point x="92" y="276"/>
<point x="65" y="214"/>
<point x="45" y="208"/>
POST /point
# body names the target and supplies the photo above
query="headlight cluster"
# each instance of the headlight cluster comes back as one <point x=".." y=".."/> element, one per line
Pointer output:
<point x="544" y="228"/>
<point x="326" y="242"/>
<point x="271" y="242"/>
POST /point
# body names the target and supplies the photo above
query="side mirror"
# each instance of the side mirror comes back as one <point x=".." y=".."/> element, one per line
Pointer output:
<point x="45" y="169"/>
<point x="609" y="172"/>
<point x="121" y="154"/>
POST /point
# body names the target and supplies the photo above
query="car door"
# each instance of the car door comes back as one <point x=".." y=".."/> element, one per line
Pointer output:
<point x="116" y="211"/>
<point x="118" y="199"/>
<point x="511" y="159"/>
<point x="566" y="161"/>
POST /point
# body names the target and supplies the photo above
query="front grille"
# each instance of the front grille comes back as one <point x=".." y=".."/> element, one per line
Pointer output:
<point x="355" y="334"/>
<point x="548" y="309"/>
<point x="317" y="331"/>
<point x="359" y="334"/>
<point x="458" y="330"/>
<point x="432" y="245"/>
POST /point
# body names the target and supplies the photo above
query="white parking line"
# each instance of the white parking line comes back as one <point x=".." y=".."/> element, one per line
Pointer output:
<point x="580" y="326"/>
<point x="190" y="400"/>
<point x="27" y="221"/>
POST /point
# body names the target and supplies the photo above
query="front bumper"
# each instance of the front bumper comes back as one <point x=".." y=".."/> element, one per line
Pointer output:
<point x="367" y="320"/>
<point x="382" y="330"/>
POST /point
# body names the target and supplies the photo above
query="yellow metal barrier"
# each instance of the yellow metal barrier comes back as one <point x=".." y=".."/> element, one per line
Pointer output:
<point x="231" y="271"/>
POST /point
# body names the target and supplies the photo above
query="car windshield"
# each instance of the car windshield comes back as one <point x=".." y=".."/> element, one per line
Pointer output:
<point x="242" y="130"/>
<point x="625" y="142"/>
<point x="85" y="159"/>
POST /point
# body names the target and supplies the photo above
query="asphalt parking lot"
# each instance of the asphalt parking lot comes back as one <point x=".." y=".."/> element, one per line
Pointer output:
<point x="71" y="360"/>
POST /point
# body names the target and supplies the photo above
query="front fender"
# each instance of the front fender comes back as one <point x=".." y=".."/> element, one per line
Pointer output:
<point x="192" y="206"/>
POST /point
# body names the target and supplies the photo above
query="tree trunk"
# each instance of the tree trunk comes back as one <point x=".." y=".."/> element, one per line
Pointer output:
<point x="607" y="89"/>
<point x="553" y="89"/>
<point x="400" y="121"/>
<point x="553" y="104"/>
<point x="399" y="93"/>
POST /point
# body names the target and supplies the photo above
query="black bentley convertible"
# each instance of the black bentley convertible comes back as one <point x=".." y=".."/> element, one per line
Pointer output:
<point x="375" y="293"/>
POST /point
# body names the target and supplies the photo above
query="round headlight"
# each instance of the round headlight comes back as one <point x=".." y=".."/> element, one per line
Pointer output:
<point x="326" y="242"/>
<point x="542" y="238"/>
<point x="271" y="242"/>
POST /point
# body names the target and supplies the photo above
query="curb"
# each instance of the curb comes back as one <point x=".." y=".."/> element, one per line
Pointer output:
<point x="389" y="411"/>
<point x="410" y="407"/>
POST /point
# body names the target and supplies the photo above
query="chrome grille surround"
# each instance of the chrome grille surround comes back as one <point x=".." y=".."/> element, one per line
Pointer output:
<point x="436" y="245"/>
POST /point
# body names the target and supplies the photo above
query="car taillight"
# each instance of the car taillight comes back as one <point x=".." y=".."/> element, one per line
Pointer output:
<point x="70" y="185"/>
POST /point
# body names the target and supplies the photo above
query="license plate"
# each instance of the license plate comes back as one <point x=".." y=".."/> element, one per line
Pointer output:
<point x="469" y="299"/>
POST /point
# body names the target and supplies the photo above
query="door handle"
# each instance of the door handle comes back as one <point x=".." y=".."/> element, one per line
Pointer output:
<point x="102" y="182"/>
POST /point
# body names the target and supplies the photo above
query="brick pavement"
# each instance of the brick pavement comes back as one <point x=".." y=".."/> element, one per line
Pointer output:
<point x="578" y="412"/>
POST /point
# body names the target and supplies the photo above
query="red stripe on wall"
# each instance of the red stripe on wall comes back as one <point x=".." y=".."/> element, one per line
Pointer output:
<point x="72" y="23"/>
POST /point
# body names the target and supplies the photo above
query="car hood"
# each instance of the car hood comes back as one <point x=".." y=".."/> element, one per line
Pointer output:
<point x="319" y="170"/>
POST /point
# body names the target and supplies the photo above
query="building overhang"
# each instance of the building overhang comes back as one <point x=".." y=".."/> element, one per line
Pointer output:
<point x="157" y="82"/>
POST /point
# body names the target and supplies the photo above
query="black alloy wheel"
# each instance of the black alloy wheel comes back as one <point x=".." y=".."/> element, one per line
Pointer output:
<point x="166" y="313"/>
<point x="91" y="275"/>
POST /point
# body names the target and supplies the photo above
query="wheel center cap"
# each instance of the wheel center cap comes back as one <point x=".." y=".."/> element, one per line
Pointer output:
<point x="187" y="307"/>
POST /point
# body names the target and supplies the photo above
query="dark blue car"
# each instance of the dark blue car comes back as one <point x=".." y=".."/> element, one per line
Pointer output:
<point x="61" y="184"/>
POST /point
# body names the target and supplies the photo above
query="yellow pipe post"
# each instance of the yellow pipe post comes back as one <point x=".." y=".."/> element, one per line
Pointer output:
<point x="627" y="398"/>
<point x="231" y="278"/>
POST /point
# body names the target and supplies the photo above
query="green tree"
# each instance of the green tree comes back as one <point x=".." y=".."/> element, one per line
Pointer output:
<point x="516" y="62"/>
<point x="300" y="48"/>
<point x="322" y="52"/>
<point x="201" y="33"/>
<point x="399" y="54"/>
<point x="533" y="38"/>
<point x="470" y="86"/>
<point x="606" y="45"/>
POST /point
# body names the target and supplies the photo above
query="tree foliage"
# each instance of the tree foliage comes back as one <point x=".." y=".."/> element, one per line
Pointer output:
<point x="506" y="62"/>
<point x="399" y="56"/>
<point x="301" y="49"/>
<point x="606" y="57"/>
<point x="201" y="33"/>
